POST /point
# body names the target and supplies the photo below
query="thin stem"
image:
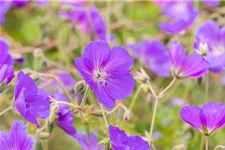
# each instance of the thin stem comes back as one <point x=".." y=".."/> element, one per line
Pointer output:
<point x="7" y="109"/>
<point x="219" y="146"/>
<point x="135" y="98"/>
<point x="83" y="101"/>
<point x="68" y="104"/>
<point x="207" y="87"/>
<point x="206" y="142"/>
<point x="153" y="120"/>
<point x="171" y="83"/>
<point x="104" y="117"/>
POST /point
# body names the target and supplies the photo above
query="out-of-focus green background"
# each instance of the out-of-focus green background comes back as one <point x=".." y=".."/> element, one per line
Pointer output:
<point x="30" y="28"/>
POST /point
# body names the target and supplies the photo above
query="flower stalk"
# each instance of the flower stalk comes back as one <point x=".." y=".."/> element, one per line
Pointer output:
<point x="4" y="111"/>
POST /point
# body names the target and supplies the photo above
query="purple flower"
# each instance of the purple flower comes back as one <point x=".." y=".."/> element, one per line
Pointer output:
<point x="89" y="142"/>
<point x="20" y="3"/>
<point x="211" y="2"/>
<point x="5" y="5"/>
<point x="120" y="141"/>
<point x="107" y="71"/>
<point x="42" y="3"/>
<point x="28" y="102"/>
<point x="6" y="63"/>
<point x="208" y="119"/>
<point x="182" y="15"/>
<point x="65" y="118"/>
<point x="192" y="65"/>
<point x="211" y="45"/>
<point x="90" y="21"/>
<point x="17" y="139"/>
<point x="154" y="55"/>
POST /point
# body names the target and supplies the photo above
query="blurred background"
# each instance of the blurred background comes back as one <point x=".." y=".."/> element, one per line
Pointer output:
<point x="49" y="39"/>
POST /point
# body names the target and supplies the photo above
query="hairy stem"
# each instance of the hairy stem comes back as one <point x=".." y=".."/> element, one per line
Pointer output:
<point x="104" y="117"/>
<point x="135" y="98"/>
<point x="83" y="101"/>
<point x="206" y="87"/>
<point x="206" y="142"/>
<point x="4" y="111"/>
<point x="153" y="120"/>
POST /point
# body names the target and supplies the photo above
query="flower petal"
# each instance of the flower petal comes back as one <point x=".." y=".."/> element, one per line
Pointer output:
<point x="191" y="115"/>
<point x="120" y="88"/>
<point x="6" y="143"/>
<point x="138" y="143"/>
<point x="177" y="54"/>
<point x="98" y="52"/>
<point x="119" y="63"/>
<point x="66" y="122"/>
<point x="194" y="66"/>
<point x="19" y="138"/>
<point x="117" y="136"/>
<point x="211" y="2"/>
<point x="213" y="115"/>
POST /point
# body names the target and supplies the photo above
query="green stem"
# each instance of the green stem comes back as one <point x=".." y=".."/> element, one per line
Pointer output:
<point x="206" y="142"/>
<point x="169" y="86"/>
<point x="206" y="87"/>
<point x="68" y="104"/>
<point x="7" y="109"/>
<point x="153" y="120"/>
<point x="104" y="117"/>
<point x="135" y="98"/>
<point x="83" y="101"/>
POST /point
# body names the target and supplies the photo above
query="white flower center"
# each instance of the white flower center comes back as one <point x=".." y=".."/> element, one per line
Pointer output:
<point x="101" y="76"/>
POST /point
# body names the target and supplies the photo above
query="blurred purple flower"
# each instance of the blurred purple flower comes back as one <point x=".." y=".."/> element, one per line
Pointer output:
<point x="20" y="3"/>
<point x="107" y="71"/>
<point x="208" y="119"/>
<point x="89" y="142"/>
<point x="193" y="65"/>
<point x="28" y="102"/>
<point x="211" y="2"/>
<point x="5" y="5"/>
<point x="182" y="15"/>
<point x="17" y="139"/>
<point x="154" y="55"/>
<point x="177" y="101"/>
<point x="211" y="45"/>
<point x="6" y="63"/>
<point x="65" y="118"/>
<point x="42" y="3"/>
<point x="90" y="21"/>
<point x="64" y="77"/>
<point x="120" y="141"/>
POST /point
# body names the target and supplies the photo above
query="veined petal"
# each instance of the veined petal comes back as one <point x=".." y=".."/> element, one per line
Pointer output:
<point x="6" y="143"/>
<point x="177" y="54"/>
<point x="213" y="115"/>
<point x="191" y="115"/>
<point x="66" y="122"/>
<point x="119" y="63"/>
<point x="19" y="137"/>
<point x="138" y="143"/>
<point x="39" y="106"/>
<point x="98" y="52"/>
<point x="120" y="88"/>
<point x="31" y="117"/>
<point x="194" y="66"/>
<point x="104" y="97"/>
<point x="117" y="136"/>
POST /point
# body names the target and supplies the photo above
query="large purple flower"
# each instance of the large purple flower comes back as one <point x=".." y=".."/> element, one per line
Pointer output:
<point x="28" y="102"/>
<point x="107" y="71"/>
<point x="5" y="5"/>
<point x="208" y="119"/>
<point x="90" y="21"/>
<point x="154" y="55"/>
<point x="20" y="3"/>
<point x="120" y="141"/>
<point x="182" y="13"/>
<point x="211" y="45"/>
<point x="65" y="118"/>
<point x="192" y="65"/>
<point x="89" y="142"/>
<point x="6" y="63"/>
<point x="17" y="139"/>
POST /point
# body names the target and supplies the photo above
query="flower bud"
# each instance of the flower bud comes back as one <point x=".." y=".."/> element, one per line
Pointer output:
<point x="43" y="135"/>
<point x="127" y="115"/>
<point x="79" y="87"/>
<point x="39" y="145"/>
<point x="142" y="76"/>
